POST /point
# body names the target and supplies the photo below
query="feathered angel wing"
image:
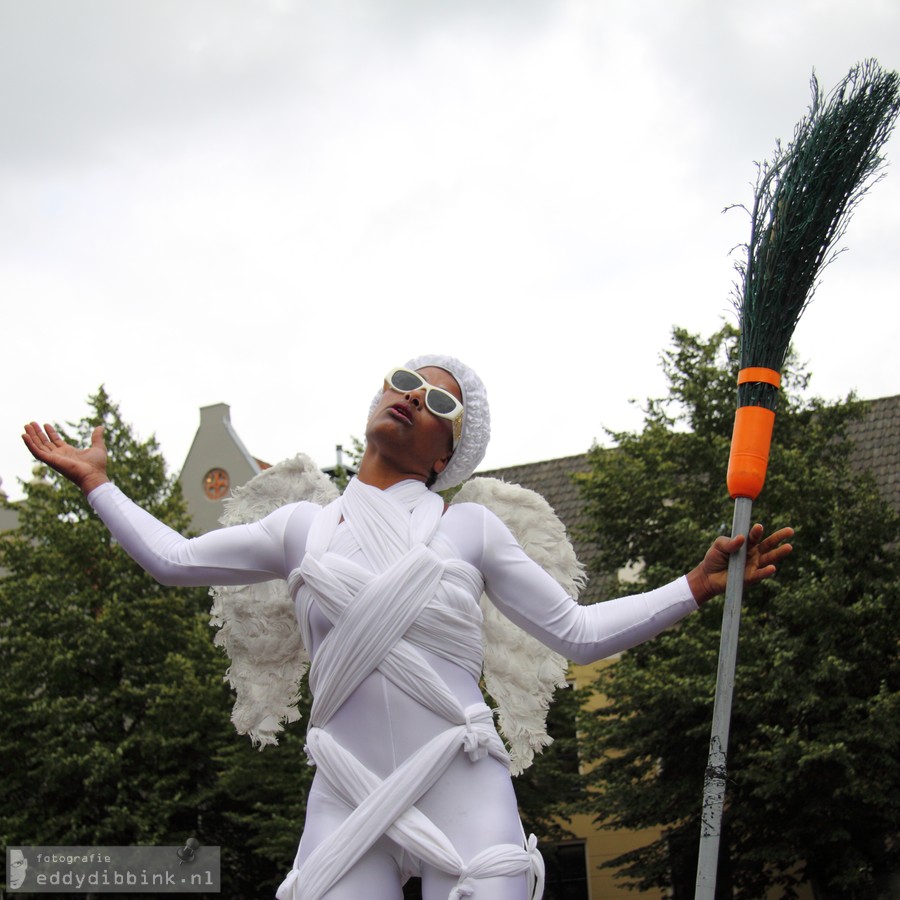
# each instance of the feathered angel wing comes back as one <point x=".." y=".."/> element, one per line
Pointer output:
<point x="520" y="672"/>
<point x="257" y="624"/>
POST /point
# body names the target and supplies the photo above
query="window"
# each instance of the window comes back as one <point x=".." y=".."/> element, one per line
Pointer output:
<point x="412" y="890"/>
<point x="566" y="871"/>
<point x="216" y="484"/>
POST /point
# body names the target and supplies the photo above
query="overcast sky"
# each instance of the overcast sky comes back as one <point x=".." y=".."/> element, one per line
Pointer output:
<point x="270" y="203"/>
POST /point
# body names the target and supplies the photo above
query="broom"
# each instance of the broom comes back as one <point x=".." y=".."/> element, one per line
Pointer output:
<point x="803" y="202"/>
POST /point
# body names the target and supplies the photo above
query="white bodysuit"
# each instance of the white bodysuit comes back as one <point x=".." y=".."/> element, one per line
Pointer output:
<point x="411" y="775"/>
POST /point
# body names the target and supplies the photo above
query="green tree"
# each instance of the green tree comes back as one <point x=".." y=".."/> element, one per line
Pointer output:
<point x="548" y="789"/>
<point x="814" y="788"/>
<point x="114" y="718"/>
<point x="112" y="692"/>
<point x="257" y="808"/>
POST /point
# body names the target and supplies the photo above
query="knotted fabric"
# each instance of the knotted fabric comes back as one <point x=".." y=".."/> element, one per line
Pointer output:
<point x="382" y="617"/>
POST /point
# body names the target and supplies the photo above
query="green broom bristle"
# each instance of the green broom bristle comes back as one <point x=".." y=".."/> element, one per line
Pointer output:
<point x="803" y="202"/>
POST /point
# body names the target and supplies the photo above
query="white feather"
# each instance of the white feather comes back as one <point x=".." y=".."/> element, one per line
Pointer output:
<point x="257" y="623"/>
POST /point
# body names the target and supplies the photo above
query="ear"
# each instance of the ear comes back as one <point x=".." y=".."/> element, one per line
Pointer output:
<point x="441" y="464"/>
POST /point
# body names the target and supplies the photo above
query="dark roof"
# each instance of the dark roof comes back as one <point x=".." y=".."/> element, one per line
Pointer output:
<point x="877" y="439"/>
<point x="876" y="436"/>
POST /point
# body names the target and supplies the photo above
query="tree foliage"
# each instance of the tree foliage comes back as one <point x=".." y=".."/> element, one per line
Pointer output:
<point x="114" y="718"/>
<point x="257" y="806"/>
<point x="814" y="789"/>
<point x="110" y="689"/>
<point x="548" y="790"/>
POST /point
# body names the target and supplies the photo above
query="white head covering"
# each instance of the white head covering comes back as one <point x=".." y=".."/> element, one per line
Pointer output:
<point x="476" y="427"/>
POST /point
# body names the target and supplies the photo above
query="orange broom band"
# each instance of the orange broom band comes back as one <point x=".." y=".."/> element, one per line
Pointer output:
<point x="759" y="373"/>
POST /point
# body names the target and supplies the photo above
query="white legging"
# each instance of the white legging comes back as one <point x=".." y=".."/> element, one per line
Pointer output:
<point x="478" y="850"/>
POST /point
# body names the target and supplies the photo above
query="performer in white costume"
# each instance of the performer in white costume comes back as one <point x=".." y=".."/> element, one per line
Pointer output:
<point x="411" y="774"/>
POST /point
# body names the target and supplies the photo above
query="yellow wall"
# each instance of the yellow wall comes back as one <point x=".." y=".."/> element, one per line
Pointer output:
<point x="603" y="845"/>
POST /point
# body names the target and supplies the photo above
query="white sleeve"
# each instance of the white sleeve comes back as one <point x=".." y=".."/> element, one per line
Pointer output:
<point x="531" y="598"/>
<point x="242" y="554"/>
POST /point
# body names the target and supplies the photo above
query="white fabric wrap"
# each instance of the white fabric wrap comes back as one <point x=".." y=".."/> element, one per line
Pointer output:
<point x="378" y="619"/>
<point x="259" y="630"/>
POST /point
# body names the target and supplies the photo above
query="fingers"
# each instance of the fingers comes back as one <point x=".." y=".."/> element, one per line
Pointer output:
<point x="728" y="545"/>
<point x="773" y="549"/>
<point x="53" y="435"/>
<point x="43" y="442"/>
<point x="36" y="441"/>
<point x="775" y="555"/>
<point x="35" y="432"/>
<point x="776" y="537"/>
<point x="769" y="552"/>
<point x="760" y="574"/>
<point x="756" y="540"/>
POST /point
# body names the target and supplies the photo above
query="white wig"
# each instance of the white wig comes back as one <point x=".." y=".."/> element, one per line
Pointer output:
<point x="476" y="426"/>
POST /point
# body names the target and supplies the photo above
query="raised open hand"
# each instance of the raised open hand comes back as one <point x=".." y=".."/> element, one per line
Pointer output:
<point x="84" y="467"/>
<point x="763" y="555"/>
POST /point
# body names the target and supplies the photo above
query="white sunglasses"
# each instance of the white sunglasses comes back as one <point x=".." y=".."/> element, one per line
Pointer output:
<point x="437" y="400"/>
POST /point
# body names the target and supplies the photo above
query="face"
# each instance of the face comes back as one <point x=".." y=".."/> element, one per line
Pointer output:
<point x="18" y="868"/>
<point x="403" y="425"/>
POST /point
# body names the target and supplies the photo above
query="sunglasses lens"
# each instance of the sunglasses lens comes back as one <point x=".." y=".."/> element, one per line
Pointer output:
<point x="406" y="381"/>
<point x="441" y="402"/>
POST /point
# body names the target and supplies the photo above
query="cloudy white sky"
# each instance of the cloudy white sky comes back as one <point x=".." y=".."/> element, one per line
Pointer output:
<point x="269" y="203"/>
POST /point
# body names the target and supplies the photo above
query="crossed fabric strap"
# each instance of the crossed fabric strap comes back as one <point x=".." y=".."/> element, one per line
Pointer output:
<point x="380" y="618"/>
